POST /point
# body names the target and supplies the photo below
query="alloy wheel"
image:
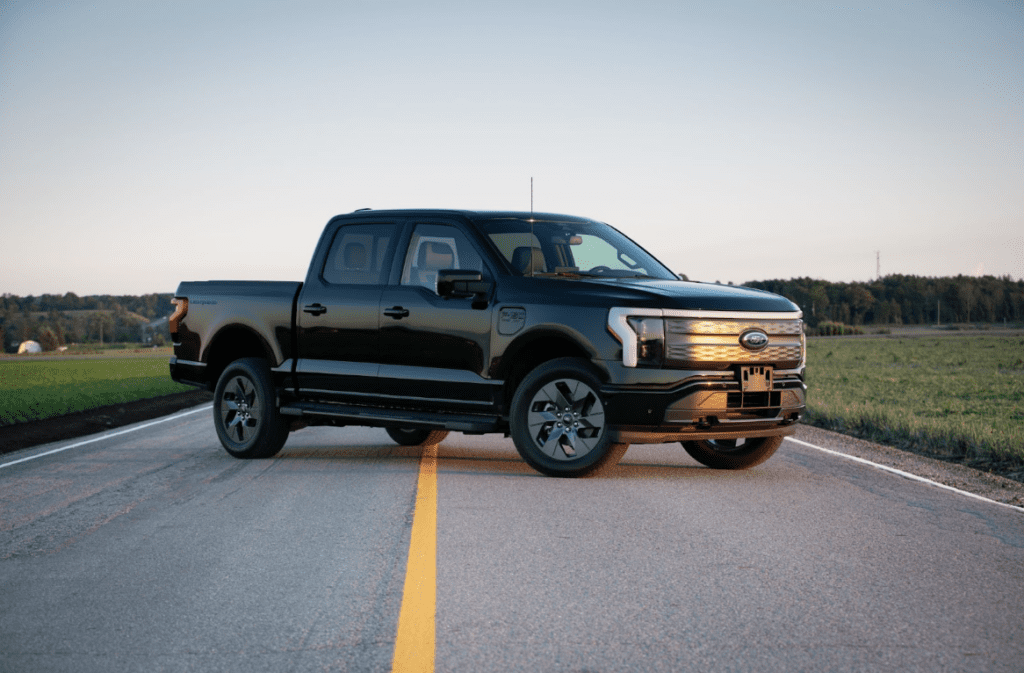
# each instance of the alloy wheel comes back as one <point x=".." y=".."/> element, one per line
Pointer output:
<point x="566" y="419"/>
<point x="240" y="410"/>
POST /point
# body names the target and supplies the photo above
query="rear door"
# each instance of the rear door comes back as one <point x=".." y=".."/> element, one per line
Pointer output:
<point x="339" y="313"/>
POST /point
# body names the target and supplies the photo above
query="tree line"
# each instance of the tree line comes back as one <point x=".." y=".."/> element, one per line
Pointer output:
<point x="904" y="300"/>
<point x="57" y="320"/>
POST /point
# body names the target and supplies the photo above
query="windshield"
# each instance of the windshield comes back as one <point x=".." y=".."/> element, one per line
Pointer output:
<point x="582" y="248"/>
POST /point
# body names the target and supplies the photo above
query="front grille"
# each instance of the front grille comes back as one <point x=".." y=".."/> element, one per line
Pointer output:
<point x="714" y="344"/>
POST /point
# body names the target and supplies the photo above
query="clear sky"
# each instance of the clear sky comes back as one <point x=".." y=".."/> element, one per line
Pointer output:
<point x="145" y="143"/>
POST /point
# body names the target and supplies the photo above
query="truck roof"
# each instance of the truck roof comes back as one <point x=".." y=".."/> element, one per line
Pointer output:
<point x="474" y="214"/>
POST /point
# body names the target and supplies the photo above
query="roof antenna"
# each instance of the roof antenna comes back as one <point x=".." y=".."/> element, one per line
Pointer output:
<point x="532" y="237"/>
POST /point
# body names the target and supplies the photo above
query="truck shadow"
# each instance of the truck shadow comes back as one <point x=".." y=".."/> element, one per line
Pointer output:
<point x="504" y="461"/>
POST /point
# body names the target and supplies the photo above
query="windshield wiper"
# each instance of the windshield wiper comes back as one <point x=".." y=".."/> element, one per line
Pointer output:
<point x="563" y="274"/>
<point x="576" y="273"/>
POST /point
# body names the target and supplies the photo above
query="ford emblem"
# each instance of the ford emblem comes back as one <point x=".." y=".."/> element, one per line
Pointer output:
<point x="754" y="340"/>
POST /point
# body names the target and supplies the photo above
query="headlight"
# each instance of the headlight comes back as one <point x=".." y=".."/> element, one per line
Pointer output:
<point x="642" y="334"/>
<point x="650" y="340"/>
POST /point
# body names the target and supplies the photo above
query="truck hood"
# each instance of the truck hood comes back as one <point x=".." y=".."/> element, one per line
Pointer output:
<point x="692" y="296"/>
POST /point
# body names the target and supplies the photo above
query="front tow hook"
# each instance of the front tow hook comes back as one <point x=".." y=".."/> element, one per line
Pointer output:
<point x="396" y="312"/>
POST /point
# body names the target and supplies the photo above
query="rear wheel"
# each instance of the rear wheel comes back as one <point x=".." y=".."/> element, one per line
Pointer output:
<point x="245" y="412"/>
<point x="417" y="436"/>
<point x="558" y="421"/>
<point x="733" y="454"/>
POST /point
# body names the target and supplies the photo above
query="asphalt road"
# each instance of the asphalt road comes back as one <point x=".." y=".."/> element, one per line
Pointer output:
<point x="152" y="550"/>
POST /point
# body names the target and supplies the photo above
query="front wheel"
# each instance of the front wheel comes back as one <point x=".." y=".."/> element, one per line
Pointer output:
<point x="733" y="454"/>
<point x="417" y="436"/>
<point x="245" y="413"/>
<point x="558" y="421"/>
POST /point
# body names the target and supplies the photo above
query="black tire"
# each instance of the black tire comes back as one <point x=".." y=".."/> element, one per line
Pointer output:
<point x="733" y="454"/>
<point x="245" y="411"/>
<point x="417" y="436"/>
<point x="557" y="421"/>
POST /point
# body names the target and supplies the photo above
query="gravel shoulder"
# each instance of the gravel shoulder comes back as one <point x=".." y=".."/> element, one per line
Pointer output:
<point x="992" y="486"/>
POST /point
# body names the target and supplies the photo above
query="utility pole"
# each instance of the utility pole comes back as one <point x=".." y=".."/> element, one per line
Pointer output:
<point x="878" y="264"/>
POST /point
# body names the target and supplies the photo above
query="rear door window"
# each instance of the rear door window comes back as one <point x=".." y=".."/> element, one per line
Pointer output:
<point x="358" y="254"/>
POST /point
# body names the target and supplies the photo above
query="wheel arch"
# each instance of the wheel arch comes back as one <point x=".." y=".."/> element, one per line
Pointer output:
<point x="231" y="343"/>
<point x="533" y="349"/>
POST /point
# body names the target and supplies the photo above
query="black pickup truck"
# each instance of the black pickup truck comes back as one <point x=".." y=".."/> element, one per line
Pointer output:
<point x="558" y="331"/>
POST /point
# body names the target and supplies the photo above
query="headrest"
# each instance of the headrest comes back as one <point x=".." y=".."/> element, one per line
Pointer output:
<point x="435" y="256"/>
<point x="527" y="260"/>
<point x="354" y="256"/>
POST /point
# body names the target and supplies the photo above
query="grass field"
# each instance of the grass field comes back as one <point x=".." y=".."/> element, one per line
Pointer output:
<point x="952" y="396"/>
<point x="32" y="388"/>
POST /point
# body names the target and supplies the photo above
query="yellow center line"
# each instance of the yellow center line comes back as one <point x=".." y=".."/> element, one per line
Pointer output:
<point x="414" y="644"/>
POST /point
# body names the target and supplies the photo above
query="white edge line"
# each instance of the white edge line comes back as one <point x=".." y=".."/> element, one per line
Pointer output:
<point x="855" y="459"/>
<point x="108" y="436"/>
<point x="901" y="473"/>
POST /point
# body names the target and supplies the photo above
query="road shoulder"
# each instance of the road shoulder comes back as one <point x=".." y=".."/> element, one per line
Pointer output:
<point x="79" y="424"/>
<point x="985" y="484"/>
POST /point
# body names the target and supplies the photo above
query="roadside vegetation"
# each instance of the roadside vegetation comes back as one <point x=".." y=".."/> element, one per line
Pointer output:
<point x="905" y="300"/>
<point x="33" y="388"/>
<point x="829" y="328"/>
<point x="54" y="321"/>
<point x="954" y="397"/>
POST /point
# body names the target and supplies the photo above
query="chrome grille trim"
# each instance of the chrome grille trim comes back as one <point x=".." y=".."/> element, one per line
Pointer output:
<point x="707" y="353"/>
<point x="732" y="327"/>
<point x="702" y="340"/>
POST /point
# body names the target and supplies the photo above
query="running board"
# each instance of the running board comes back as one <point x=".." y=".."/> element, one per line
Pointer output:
<point x="355" y="415"/>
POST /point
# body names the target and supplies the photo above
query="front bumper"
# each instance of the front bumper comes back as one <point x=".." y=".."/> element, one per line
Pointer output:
<point x="704" y="406"/>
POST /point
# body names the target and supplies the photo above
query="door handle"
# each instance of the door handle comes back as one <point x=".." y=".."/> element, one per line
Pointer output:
<point x="315" y="309"/>
<point x="396" y="312"/>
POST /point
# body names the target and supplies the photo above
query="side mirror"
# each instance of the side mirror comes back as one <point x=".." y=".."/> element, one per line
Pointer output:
<point x="457" y="283"/>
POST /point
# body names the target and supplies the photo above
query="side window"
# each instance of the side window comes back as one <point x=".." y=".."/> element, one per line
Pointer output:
<point x="434" y="247"/>
<point x="357" y="254"/>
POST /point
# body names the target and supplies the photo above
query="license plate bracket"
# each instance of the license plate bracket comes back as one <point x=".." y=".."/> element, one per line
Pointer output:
<point x="756" y="379"/>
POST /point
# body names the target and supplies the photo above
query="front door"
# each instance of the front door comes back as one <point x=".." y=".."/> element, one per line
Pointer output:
<point x="436" y="350"/>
